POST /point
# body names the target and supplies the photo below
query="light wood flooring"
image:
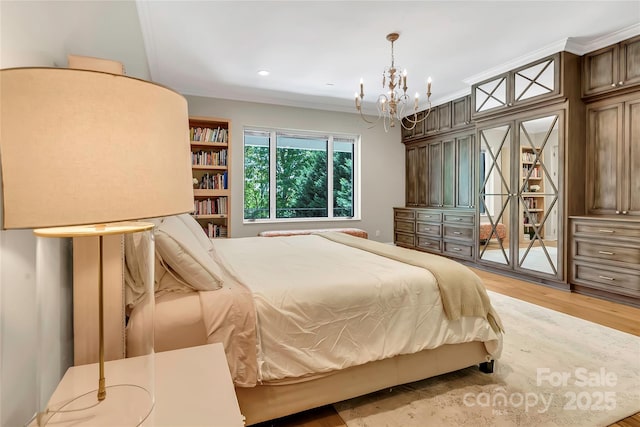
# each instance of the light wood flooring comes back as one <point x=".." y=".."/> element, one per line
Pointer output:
<point x="617" y="316"/>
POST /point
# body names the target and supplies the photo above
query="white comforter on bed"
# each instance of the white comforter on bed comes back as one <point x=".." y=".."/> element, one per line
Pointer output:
<point x="336" y="306"/>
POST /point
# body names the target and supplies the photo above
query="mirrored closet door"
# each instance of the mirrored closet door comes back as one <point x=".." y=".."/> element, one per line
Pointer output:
<point x="519" y="197"/>
<point x="496" y="191"/>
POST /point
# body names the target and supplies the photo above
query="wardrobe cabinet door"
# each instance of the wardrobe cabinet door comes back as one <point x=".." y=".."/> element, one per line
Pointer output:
<point x="632" y="156"/>
<point x="490" y="95"/>
<point x="461" y="112"/>
<point x="464" y="170"/>
<point x="435" y="174"/>
<point x="600" y="70"/>
<point x="496" y="195"/>
<point x="538" y="194"/>
<point x="605" y="160"/>
<point x="411" y="176"/>
<point x="630" y="62"/>
<point x="421" y="188"/>
<point x="448" y="172"/>
<point x="444" y="117"/>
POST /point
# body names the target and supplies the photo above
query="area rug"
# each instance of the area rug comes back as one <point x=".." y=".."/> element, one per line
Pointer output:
<point x="535" y="258"/>
<point x="555" y="370"/>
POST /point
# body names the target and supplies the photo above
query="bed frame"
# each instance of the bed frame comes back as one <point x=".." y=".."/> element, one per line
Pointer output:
<point x="268" y="401"/>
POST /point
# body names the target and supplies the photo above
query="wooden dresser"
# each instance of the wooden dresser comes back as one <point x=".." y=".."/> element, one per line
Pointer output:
<point x="605" y="257"/>
<point x="446" y="232"/>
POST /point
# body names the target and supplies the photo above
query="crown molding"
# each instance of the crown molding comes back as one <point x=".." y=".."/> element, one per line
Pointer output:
<point x="579" y="48"/>
<point x="571" y="44"/>
<point x="451" y="96"/>
<point x="550" y="49"/>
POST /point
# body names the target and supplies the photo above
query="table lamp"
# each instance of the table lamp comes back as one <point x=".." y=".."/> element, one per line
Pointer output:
<point x="86" y="153"/>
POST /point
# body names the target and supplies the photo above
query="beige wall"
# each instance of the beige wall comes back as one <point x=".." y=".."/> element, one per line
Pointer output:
<point x="382" y="161"/>
<point x="36" y="334"/>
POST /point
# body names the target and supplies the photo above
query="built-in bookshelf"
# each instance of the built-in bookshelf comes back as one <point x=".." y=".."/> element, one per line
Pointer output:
<point x="532" y="209"/>
<point x="210" y="165"/>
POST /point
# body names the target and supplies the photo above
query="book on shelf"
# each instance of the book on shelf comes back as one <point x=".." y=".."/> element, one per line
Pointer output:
<point x="215" y="230"/>
<point x="529" y="156"/>
<point x="200" y="134"/>
<point x="530" y="202"/>
<point x="210" y="206"/>
<point x="209" y="158"/>
<point x="535" y="171"/>
<point x="530" y="218"/>
<point x="216" y="181"/>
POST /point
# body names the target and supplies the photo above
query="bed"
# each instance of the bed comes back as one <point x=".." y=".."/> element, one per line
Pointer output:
<point x="309" y="320"/>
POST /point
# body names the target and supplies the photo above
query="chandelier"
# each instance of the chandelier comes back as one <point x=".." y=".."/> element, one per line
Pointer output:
<point x="392" y="105"/>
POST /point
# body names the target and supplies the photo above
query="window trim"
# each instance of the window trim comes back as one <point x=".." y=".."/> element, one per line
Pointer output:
<point x="273" y="132"/>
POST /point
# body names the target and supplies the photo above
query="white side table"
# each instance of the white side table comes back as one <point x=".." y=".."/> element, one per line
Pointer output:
<point x="193" y="387"/>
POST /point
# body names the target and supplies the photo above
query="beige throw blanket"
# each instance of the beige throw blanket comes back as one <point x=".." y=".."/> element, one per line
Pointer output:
<point x="461" y="290"/>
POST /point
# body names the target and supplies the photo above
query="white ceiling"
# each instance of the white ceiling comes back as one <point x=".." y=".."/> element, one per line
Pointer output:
<point x="317" y="51"/>
<point x="215" y="48"/>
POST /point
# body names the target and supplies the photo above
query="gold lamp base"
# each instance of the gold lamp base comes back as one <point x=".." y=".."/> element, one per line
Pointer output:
<point x="70" y="409"/>
<point x="127" y="405"/>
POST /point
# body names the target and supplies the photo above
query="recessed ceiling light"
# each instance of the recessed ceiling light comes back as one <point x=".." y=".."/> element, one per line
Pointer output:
<point x="263" y="73"/>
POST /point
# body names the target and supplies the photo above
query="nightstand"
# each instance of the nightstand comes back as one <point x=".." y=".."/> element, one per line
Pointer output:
<point x="193" y="387"/>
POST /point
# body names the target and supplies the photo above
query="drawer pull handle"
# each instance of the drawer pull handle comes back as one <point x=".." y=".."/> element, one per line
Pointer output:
<point x="456" y="249"/>
<point x="606" y="253"/>
<point x="457" y="232"/>
<point x="456" y="219"/>
<point x="607" y="231"/>
<point x="607" y="278"/>
<point x="427" y="229"/>
<point x="426" y="244"/>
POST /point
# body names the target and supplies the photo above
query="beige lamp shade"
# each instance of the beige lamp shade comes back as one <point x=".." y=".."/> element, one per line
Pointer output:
<point x="84" y="147"/>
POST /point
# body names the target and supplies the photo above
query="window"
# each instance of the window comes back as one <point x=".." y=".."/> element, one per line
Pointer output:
<point x="293" y="175"/>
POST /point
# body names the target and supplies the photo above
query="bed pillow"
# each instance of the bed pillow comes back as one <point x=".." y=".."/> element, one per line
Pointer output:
<point x="136" y="266"/>
<point x="185" y="248"/>
<point x="197" y="231"/>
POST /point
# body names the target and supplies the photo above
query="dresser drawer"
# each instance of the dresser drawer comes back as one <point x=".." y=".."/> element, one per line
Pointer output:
<point x="606" y="229"/>
<point x="461" y="233"/>
<point x="429" y="229"/>
<point x="405" y="226"/>
<point x="429" y="216"/>
<point x="459" y="218"/>
<point x="432" y="245"/>
<point x="458" y="249"/>
<point x="620" y="281"/>
<point x="611" y="251"/>
<point x="402" y="239"/>
<point x="404" y="214"/>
